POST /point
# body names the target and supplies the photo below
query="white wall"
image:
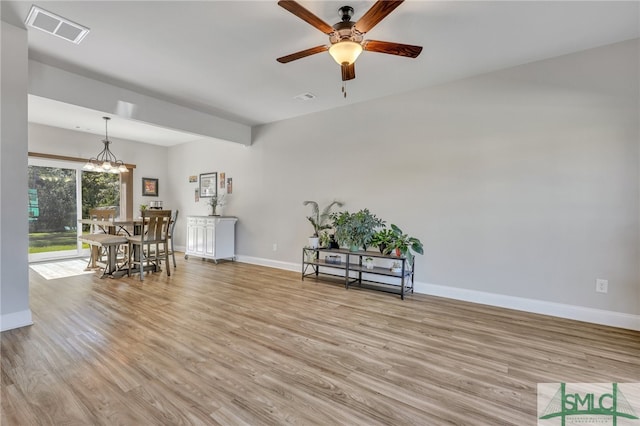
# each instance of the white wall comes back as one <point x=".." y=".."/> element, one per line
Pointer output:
<point x="235" y="160"/>
<point x="521" y="183"/>
<point x="14" y="278"/>
<point x="150" y="160"/>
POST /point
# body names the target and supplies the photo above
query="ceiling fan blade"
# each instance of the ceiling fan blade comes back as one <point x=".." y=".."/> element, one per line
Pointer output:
<point x="377" y="13"/>
<point x="305" y="15"/>
<point x="302" y="54"/>
<point x="392" y="48"/>
<point x="348" y="71"/>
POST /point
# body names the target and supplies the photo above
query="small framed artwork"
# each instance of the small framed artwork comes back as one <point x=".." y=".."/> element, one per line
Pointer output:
<point x="229" y="186"/>
<point x="149" y="187"/>
<point x="208" y="184"/>
<point x="222" y="181"/>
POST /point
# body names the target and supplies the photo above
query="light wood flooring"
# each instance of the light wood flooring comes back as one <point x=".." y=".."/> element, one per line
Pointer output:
<point x="235" y="344"/>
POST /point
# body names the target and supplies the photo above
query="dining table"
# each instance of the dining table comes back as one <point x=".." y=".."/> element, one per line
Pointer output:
<point x="115" y="226"/>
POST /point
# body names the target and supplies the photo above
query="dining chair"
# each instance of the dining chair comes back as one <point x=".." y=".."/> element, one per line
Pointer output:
<point x="100" y="214"/>
<point x="147" y="249"/>
<point x="172" y="227"/>
<point x="98" y="254"/>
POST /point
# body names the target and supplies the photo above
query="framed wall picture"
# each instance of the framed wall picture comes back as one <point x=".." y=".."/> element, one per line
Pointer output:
<point x="149" y="187"/>
<point x="208" y="184"/>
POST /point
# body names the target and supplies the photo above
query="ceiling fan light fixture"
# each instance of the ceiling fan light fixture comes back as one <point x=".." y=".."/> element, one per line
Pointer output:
<point x="345" y="52"/>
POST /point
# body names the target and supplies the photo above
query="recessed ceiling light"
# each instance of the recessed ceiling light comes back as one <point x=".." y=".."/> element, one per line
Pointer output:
<point x="305" y="96"/>
<point x="56" y="25"/>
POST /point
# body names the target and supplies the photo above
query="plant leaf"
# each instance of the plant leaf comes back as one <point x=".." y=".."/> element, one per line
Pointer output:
<point x="327" y="210"/>
<point x="314" y="207"/>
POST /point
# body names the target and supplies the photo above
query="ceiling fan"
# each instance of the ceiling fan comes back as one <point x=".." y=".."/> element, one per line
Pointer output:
<point x="347" y="37"/>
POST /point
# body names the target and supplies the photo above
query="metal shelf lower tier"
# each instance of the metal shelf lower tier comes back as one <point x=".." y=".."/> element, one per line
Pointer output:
<point x="355" y="273"/>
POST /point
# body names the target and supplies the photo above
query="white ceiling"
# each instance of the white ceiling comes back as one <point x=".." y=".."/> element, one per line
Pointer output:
<point x="219" y="57"/>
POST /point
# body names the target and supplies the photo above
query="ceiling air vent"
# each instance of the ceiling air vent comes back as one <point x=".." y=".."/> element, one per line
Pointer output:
<point x="56" y="25"/>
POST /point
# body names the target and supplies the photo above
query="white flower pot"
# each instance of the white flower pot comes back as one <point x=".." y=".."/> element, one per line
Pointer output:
<point x="314" y="242"/>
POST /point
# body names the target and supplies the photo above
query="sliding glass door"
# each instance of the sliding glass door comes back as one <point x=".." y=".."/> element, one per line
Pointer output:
<point x="59" y="194"/>
<point x="53" y="210"/>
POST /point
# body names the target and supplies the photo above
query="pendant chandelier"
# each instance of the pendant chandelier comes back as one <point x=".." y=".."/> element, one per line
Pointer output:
<point x="105" y="161"/>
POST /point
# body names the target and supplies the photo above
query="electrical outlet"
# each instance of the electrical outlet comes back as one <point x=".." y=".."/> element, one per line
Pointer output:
<point x="602" y="286"/>
<point x="275" y="246"/>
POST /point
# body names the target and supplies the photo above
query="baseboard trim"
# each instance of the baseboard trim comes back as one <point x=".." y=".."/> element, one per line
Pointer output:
<point x="288" y="266"/>
<point x="15" y="320"/>
<point x="560" y="310"/>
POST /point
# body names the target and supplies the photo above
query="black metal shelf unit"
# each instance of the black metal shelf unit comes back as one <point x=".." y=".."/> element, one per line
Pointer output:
<point x="356" y="272"/>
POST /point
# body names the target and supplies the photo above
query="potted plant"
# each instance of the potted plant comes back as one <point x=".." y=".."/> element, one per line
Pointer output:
<point x="383" y="239"/>
<point x="355" y="230"/>
<point x="311" y="255"/>
<point x="216" y="202"/>
<point x="405" y="245"/>
<point x="368" y="262"/>
<point x="143" y="208"/>
<point x="325" y="238"/>
<point x="320" y="221"/>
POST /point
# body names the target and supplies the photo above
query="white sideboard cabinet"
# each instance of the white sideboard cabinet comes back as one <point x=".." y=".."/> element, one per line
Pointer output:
<point x="211" y="237"/>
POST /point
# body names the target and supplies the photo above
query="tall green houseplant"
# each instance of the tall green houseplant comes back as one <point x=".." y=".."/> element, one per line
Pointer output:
<point x="321" y="220"/>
